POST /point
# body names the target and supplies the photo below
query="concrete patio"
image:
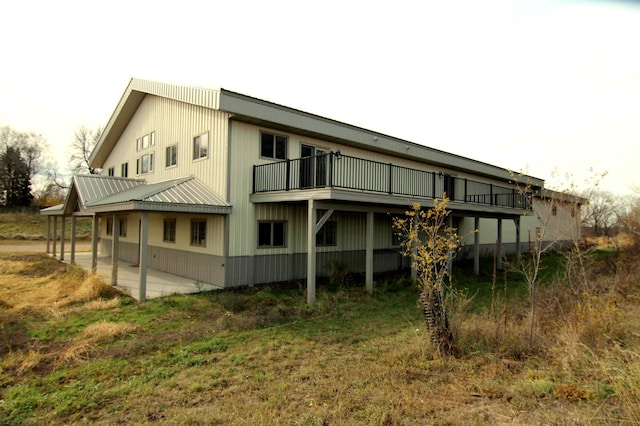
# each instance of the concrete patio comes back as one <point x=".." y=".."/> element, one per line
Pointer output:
<point x="159" y="283"/>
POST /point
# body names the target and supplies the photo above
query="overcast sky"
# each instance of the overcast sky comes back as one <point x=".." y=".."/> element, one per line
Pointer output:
<point x="548" y="87"/>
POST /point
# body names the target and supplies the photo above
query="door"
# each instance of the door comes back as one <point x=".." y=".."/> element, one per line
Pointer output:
<point x="313" y="167"/>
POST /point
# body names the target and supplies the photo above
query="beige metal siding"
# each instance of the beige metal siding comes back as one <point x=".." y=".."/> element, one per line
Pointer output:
<point x="175" y="123"/>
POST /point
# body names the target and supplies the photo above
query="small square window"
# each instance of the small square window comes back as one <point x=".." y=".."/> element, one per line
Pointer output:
<point x="272" y="234"/>
<point x="199" y="233"/>
<point x="273" y="146"/>
<point x="201" y="146"/>
<point x="327" y="235"/>
<point x="169" y="234"/>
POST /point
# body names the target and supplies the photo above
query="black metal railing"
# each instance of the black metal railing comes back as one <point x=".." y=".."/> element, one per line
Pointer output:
<point x="336" y="170"/>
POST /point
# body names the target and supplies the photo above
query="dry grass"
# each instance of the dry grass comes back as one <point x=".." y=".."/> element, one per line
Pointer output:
<point x="583" y="367"/>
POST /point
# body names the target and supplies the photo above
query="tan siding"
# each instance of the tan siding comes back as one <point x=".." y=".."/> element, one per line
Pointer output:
<point x="176" y="123"/>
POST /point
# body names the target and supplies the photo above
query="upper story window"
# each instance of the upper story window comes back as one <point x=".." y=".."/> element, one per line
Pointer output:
<point x="124" y="169"/>
<point x="144" y="164"/>
<point x="171" y="156"/>
<point x="201" y="146"/>
<point x="273" y="146"/>
<point x="146" y="141"/>
<point x="111" y="171"/>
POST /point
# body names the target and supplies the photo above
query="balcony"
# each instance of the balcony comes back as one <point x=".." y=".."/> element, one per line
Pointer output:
<point x="336" y="171"/>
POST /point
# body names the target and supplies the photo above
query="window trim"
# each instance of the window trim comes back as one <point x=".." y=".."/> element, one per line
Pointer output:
<point x="168" y="156"/>
<point x="200" y="156"/>
<point x="200" y="243"/>
<point x="164" y="230"/>
<point x="272" y="234"/>
<point x="322" y="234"/>
<point x="273" y="155"/>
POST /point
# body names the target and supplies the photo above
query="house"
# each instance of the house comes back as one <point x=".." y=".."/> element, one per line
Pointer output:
<point x="231" y="190"/>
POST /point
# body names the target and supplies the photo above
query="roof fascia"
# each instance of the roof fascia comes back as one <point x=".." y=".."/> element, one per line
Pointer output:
<point x="257" y="110"/>
<point x="159" y="207"/>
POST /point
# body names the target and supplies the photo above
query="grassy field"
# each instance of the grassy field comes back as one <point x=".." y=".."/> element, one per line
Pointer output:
<point x="33" y="227"/>
<point x="73" y="351"/>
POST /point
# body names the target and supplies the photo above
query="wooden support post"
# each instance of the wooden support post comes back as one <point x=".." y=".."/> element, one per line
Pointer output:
<point x="476" y="246"/>
<point x="144" y="238"/>
<point x="312" y="215"/>
<point x="518" y="244"/>
<point x="414" y="250"/>
<point x="499" y="248"/>
<point x="94" y="244"/>
<point x="62" y="236"/>
<point x="73" y="238"/>
<point x="48" y="234"/>
<point x="369" y="253"/>
<point x="55" y="235"/>
<point x="114" y="249"/>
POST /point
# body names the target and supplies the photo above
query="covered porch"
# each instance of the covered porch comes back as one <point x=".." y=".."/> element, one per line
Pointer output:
<point x="108" y="197"/>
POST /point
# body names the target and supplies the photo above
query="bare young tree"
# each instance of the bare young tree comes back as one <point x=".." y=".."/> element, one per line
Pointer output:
<point x="84" y="141"/>
<point x="429" y="242"/>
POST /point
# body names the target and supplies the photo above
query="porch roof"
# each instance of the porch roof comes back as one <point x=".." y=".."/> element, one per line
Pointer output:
<point x="101" y="194"/>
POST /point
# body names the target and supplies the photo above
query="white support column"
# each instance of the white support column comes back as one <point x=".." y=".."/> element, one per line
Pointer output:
<point x="55" y="234"/>
<point x="369" y="253"/>
<point x="114" y="249"/>
<point x="94" y="244"/>
<point x="62" y="229"/>
<point x="476" y="245"/>
<point x="144" y="237"/>
<point x="518" y="244"/>
<point x="312" y="216"/>
<point x="73" y="238"/>
<point x="48" y="234"/>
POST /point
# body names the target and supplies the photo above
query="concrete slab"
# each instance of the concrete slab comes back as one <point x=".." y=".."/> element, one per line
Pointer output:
<point x="159" y="283"/>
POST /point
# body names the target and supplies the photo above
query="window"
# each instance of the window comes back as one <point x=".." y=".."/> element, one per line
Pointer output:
<point x="273" y="146"/>
<point x="171" y="157"/>
<point x="201" y="146"/>
<point x="123" y="228"/>
<point x="111" y="171"/>
<point x="199" y="232"/>
<point x="145" y="164"/>
<point x="109" y="226"/>
<point x="124" y="169"/>
<point x="271" y="234"/>
<point x="327" y="235"/>
<point x="146" y="141"/>
<point x="169" y="234"/>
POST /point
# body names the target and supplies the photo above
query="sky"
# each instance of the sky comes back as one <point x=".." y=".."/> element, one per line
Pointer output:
<point x="547" y="87"/>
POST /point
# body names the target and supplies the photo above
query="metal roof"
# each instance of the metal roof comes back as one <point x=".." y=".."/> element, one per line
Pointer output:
<point x="93" y="188"/>
<point x="257" y="111"/>
<point x="187" y="190"/>
<point x="101" y="194"/>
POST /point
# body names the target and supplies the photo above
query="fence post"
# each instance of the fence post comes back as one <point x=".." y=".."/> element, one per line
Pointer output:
<point x="331" y="154"/>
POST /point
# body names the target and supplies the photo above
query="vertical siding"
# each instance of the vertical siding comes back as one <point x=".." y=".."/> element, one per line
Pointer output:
<point x="176" y="123"/>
